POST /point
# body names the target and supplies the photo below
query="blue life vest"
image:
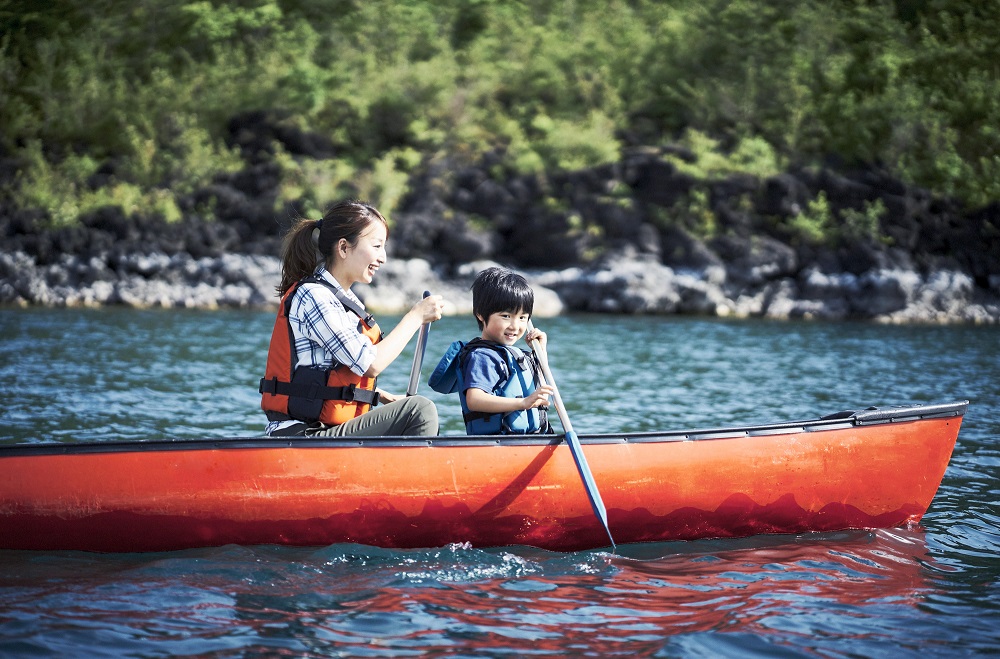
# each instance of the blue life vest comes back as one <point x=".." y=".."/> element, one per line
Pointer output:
<point x="520" y="380"/>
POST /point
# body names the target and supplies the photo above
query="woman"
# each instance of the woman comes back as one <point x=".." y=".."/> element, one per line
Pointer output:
<point x="326" y="350"/>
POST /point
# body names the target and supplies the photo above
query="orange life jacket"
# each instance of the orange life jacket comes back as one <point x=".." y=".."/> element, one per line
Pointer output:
<point x="312" y="393"/>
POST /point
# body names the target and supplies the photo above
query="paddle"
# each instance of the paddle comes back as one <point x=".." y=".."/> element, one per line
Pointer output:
<point x="573" y="442"/>
<point x="418" y="356"/>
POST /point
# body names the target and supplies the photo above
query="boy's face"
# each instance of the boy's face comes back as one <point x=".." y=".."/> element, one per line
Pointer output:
<point x="505" y="327"/>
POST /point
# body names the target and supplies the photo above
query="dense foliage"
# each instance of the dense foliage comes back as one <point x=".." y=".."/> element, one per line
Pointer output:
<point x="130" y="102"/>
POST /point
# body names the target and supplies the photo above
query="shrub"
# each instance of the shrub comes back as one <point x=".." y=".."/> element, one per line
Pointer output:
<point x="751" y="155"/>
<point x="814" y="225"/>
<point x="747" y="86"/>
<point x="863" y="225"/>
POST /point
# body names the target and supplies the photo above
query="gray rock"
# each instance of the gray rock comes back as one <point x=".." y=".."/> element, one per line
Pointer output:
<point x="624" y="282"/>
<point x="400" y="284"/>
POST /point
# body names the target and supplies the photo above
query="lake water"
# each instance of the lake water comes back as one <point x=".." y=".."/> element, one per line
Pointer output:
<point x="72" y="375"/>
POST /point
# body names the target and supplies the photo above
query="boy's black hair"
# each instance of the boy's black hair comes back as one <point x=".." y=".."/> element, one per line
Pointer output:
<point x="498" y="289"/>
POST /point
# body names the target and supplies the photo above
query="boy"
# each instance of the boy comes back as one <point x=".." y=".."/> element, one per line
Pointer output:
<point x="497" y="384"/>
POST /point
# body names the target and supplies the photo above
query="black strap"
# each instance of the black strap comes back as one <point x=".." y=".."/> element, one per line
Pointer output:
<point x="542" y="417"/>
<point x="348" y="303"/>
<point x="351" y="393"/>
<point x="358" y="310"/>
<point x="472" y="416"/>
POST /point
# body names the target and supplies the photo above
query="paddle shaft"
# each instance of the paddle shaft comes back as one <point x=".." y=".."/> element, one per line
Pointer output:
<point x="576" y="449"/>
<point x="418" y="356"/>
<point x="556" y="398"/>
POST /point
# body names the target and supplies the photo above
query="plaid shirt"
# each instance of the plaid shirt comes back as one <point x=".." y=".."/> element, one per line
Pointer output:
<point x="325" y="332"/>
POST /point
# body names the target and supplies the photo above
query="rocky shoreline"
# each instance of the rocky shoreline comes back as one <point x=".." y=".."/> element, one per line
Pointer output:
<point x="589" y="241"/>
<point x="622" y="284"/>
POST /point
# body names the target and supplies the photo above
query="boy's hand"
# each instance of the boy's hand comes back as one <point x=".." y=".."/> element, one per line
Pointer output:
<point x="539" y="397"/>
<point x="536" y="334"/>
<point x="385" y="397"/>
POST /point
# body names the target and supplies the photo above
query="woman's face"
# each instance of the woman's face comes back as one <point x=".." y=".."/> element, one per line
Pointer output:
<point x="358" y="263"/>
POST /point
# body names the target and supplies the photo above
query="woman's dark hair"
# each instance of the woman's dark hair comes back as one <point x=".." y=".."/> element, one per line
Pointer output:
<point x="306" y="238"/>
<point x="498" y="289"/>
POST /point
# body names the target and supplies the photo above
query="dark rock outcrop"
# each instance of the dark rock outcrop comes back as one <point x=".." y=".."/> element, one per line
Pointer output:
<point x="633" y="237"/>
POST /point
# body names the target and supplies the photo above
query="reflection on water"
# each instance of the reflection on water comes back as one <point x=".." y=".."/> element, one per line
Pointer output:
<point x="774" y="587"/>
<point x="928" y="591"/>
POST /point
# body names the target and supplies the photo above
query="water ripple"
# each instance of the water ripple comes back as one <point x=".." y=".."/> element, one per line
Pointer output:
<point x="929" y="590"/>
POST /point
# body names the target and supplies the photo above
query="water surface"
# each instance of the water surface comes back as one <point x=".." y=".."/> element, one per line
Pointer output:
<point x="932" y="590"/>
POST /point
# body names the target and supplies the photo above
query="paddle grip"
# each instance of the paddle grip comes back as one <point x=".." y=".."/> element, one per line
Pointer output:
<point x="418" y="355"/>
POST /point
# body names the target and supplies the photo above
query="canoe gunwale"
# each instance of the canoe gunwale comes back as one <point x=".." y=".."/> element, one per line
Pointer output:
<point x="838" y="421"/>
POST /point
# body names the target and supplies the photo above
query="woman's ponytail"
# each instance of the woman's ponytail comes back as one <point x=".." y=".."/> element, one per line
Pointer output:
<point x="298" y="253"/>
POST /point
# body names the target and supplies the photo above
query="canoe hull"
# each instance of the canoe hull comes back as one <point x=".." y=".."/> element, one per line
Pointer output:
<point x="785" y="478"/>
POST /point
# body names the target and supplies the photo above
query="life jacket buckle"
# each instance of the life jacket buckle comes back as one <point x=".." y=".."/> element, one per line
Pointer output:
<point x="349" y="392"/>
<point x="268" y="386"/>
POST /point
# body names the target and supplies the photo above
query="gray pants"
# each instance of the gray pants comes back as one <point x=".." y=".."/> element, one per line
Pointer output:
<point x="413" y="415"/>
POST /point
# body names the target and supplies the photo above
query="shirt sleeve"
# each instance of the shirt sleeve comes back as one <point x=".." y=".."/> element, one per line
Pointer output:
<point x="483" y="369"/>
<point x="328" y="331"/>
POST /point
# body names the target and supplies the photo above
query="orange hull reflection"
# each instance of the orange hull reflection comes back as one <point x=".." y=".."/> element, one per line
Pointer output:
<point x="635" y="606"/>
<point x="650" y="602"/>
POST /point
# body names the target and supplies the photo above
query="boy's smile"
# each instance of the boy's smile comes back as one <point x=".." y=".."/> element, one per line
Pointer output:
<point x="505" y="327"/>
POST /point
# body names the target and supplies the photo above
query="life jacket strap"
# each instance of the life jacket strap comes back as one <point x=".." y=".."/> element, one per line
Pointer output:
<point x="543" y="428"/>
<point x="351" y="393"/>
<point x="469" y="417"/>
<point x="348" y="303"/>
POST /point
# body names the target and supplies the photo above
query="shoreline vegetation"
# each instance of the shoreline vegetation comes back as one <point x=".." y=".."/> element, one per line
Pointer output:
<point x="822" y="161"/>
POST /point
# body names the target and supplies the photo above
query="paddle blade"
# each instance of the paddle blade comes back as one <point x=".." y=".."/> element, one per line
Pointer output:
<point x="588" y="482"/>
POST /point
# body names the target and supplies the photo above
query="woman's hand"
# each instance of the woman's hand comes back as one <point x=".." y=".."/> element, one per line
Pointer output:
<point x="429" y="309"/>
<point x="539" y="397"/>
<point x="386" y="397"/>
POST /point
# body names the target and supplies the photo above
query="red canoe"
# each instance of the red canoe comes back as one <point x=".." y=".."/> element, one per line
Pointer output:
<point x="876" y="468"/>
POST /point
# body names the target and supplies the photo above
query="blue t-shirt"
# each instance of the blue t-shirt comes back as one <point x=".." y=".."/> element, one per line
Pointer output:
<point x="483" y="369"/>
